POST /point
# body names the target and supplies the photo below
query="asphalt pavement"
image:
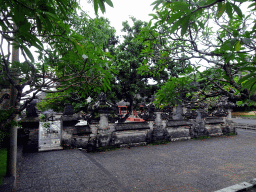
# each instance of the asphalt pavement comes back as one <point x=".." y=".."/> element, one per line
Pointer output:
<point x="245" y="121"/>
<point x="195" y="165"/>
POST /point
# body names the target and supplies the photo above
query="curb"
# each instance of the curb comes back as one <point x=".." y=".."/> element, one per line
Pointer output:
<point x="244" y="186"/>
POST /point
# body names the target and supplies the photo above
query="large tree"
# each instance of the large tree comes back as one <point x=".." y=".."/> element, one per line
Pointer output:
<point x="214" y="34"/>
<point x="128" y="84"/>
<point x="101" y="35"/>
<point x="65" y="60"/>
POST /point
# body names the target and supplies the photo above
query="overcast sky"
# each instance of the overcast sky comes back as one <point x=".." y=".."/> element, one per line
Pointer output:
<point x="121" y="12"/>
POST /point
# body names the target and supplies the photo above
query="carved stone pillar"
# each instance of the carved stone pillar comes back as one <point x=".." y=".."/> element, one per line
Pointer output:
<point x="178" y="111"/>
<point x="103" y="123"/>
<point x="159" y="133"/>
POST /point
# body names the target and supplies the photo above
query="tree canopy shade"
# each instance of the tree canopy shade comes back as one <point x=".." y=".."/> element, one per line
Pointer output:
<point x="67" y="60"/>
<point x="215" y="34"/>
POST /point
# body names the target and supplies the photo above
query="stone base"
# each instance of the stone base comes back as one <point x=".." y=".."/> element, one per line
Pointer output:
<point x="200" y="132"/>
<point x="128" y="137"/>
<point x="104" y="140"/>
<point x="158" y="134"/>
<point x="214" y="130"/>
<point x="50" y="148"/>
<point x="177" y="133"/>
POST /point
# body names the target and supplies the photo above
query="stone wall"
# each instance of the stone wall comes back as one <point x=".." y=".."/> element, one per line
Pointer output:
<point x="76" y="134"/>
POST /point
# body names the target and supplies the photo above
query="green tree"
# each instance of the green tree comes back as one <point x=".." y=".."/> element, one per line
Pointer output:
<point x="128" y="83"/>
<point x="213" y="34"/>
<point x="64" y="64"/>
<point x="100" y="36"/>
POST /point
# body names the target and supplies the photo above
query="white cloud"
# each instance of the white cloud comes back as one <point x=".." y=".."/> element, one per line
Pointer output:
<point x="122" y="10"/>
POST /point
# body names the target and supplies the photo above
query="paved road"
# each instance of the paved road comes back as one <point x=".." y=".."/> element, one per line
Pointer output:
<point x="196" y="165"/>
<point x="245" y="121"/>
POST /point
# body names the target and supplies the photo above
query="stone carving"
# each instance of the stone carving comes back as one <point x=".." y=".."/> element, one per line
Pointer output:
<point x="69" y="109"/>
<point x="224" y="106"/>
<point x="167" y="113"/>
<point x="31" y="109"/>
<point x="148" y="112"/>
<point x="179" y="112"/>
<point x="102" y="106"/>
<point x="190" y="114"/>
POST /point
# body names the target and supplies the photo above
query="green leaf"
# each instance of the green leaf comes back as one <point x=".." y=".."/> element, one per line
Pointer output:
<point x="156" y="3"/>
<point x="28" y="53"/>
<point x="109" y="2"/>
<point x="153" y="15"/>
<point x="253" y="89"/>
<point x="233" y="41"/>
<point x="51" y="15"/>
<point x="221" y="9"/>
<point x="238" y="46"/>
<point x="229" y="10"/>
<point x="176" y="25"/>
<point x="247" y="69"/>
<point x="249" y="84"/>
<point x="150" y="23"/>
<point x="102" y="6"/>
<point x="235" y="33"/>
<point x="39" y="25"/>
<point x="246" y="78"/>
<point x="184" y="26"/>
<point x="96" y="6"/>
<point x="177" y="5"/>
<point x="174" y="17"/>
<point x="251" y="5"/>
<point x="201" y="24"/>
<point x="62" y="6"/>
<point x="237" y="10"/>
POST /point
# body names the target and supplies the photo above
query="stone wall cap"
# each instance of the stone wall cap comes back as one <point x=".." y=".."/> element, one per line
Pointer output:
<point x="173" y="123"/>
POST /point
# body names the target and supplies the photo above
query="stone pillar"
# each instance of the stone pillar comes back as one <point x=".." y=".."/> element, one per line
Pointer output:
<point x="158" y="120"/>
<point x="103" y="123"/>
<point x="178" y="111"/>
<point x="69" y="109"/>
<point x="229" y="117"/>
<point x="200" y="129"/>
<point x="159" y="132"/>
<point x="104" y="131"/>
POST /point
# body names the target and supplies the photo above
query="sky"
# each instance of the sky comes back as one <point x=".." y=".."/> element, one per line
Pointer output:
<point x="121" y="12"/>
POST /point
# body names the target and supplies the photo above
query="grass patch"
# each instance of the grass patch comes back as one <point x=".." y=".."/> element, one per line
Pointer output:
<point x="3" y="164"/>
<point x="202" y="137"/>
<point x="230" y="134"/>
<point x="159" y="142"/>
<point x="105" y="148"/>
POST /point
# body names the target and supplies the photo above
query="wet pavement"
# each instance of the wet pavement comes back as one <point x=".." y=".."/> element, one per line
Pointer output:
<point x="195" y="165"/>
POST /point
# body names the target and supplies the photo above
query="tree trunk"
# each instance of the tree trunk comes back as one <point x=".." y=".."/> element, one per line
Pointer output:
<point x="12" y="145"/>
